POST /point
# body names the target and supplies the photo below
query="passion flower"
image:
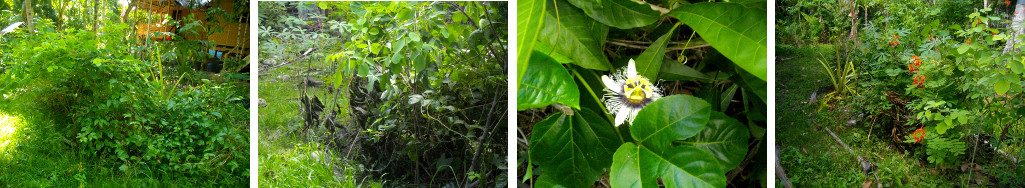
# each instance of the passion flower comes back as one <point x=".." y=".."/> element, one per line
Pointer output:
<point x="626" y="93"/>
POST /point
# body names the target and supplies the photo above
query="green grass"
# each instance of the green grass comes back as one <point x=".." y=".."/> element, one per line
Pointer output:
<point x="34" y="153"/>
<point x="812" y="158"/>
<point x="286" y="156"/>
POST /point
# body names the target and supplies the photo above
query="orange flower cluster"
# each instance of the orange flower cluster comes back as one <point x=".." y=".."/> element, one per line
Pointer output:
<point x="919" y="134"/>
<point x="919" y="80"/>
<point x="1007" y="2"/>
<point x="914" y="66"/>
<point x="894" y="42"/>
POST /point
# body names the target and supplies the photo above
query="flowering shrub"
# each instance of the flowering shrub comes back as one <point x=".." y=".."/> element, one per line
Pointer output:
<point x="919" y="134"/>
<point x="608" y="115"/>
<point x="952" y="83"/>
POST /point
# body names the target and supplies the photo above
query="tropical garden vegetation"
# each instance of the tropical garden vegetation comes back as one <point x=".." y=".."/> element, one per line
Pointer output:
<point x="621" y="93"/>
<point x="900" y="93"/>
<point x="86" y="101"/>
<point x="383" y="94"/>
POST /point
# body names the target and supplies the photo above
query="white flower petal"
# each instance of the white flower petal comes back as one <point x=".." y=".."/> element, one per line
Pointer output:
<point x="621" y="116"/>
<point x="632" y="116"/>
<point x="610" y="84"/>
<point x="631" y="69"/>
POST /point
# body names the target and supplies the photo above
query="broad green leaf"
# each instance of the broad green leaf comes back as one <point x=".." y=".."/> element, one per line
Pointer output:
<point x="546" y="180"/>
<point x="563" y="59"/>
<point x="573" y="150"/>
<point x="963" y="48"/>
<point x="670" y="118"/>
<point x="672" y="70"/>
<point x="1001" y="86"/>
<point x="403" y="15"/>
<point x="961" y="118"/>
<point x="415" y="36"/>
<point x="735" y="30"/>
<point x="546" y="82"/>
<point x="419" y="62"/>
<point x="752" y="84"/>
<point x="623" y="14"/>
<point x="363" y="70"/>
<point x="592" y="90"/>
<point x="1017" y="68"/>
<point x="680" y="166"/>
<point x="530" y="17"/>
<point x="337" y="78"/>
<point x="458" y="17"/>
<point x="650" y="61"/>
<point x="571" y="32"/>
<point x="725" y="138"/>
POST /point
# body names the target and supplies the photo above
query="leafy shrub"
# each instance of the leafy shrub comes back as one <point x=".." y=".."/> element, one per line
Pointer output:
<point x="131" y="117"/>
<point x="954" y="11"/>
<point x="426" y="88"/>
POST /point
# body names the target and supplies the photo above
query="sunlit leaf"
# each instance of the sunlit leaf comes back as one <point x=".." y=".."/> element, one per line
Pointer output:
<point x="570" y="31"/>
<point x="650" y="61"/>
<point x="622" y="14"/>
<point x="670" y="118"/>
<point x="735" y="30"/>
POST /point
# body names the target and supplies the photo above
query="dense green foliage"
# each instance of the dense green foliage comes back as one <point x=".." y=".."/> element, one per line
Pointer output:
<point x="710" y="60"/>
<point x="422" y="86"/>
<point x="933" y="68"/>
<point x="126" y="107"/>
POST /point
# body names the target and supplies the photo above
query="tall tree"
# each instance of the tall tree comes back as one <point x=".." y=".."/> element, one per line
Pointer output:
<point x="95" y="15"/>
<point x="27" y="14"/>
<point x="62" y="8"/>
<point x="128" y="10"/>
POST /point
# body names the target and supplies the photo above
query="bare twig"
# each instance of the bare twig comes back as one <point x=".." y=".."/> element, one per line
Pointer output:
<point x="624" y="44"/>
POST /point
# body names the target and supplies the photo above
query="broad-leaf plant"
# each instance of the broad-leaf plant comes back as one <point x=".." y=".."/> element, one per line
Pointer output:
<point x="635" y="94"/>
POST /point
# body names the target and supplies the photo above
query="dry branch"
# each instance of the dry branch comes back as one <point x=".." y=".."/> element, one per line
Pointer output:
<point x="866" y="166"/>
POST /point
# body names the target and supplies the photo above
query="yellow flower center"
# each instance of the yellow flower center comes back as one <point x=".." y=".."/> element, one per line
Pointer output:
<point x="637" y="89"/>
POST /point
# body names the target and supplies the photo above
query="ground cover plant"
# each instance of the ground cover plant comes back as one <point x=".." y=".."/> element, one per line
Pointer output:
<point x="92" y="105"/>
<point x="608" y="90"/>
<point x="392" y="94"/>
<point x="927" y="93"/>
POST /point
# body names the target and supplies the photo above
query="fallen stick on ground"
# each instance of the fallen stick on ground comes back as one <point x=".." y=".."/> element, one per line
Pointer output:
<point x="866" y="166"/>
<point x="782" y="175"/>
<point x="297" y="59"/>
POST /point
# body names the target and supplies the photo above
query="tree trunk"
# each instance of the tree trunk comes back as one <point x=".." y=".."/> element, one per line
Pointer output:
<point x="95" y="15"/>
<point x="27" y="14"/>
<point x="854" y="24"/>
<point x="60" y="14"/>
<point x="1016" y="27"/>
<point x="128" y="10"/>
